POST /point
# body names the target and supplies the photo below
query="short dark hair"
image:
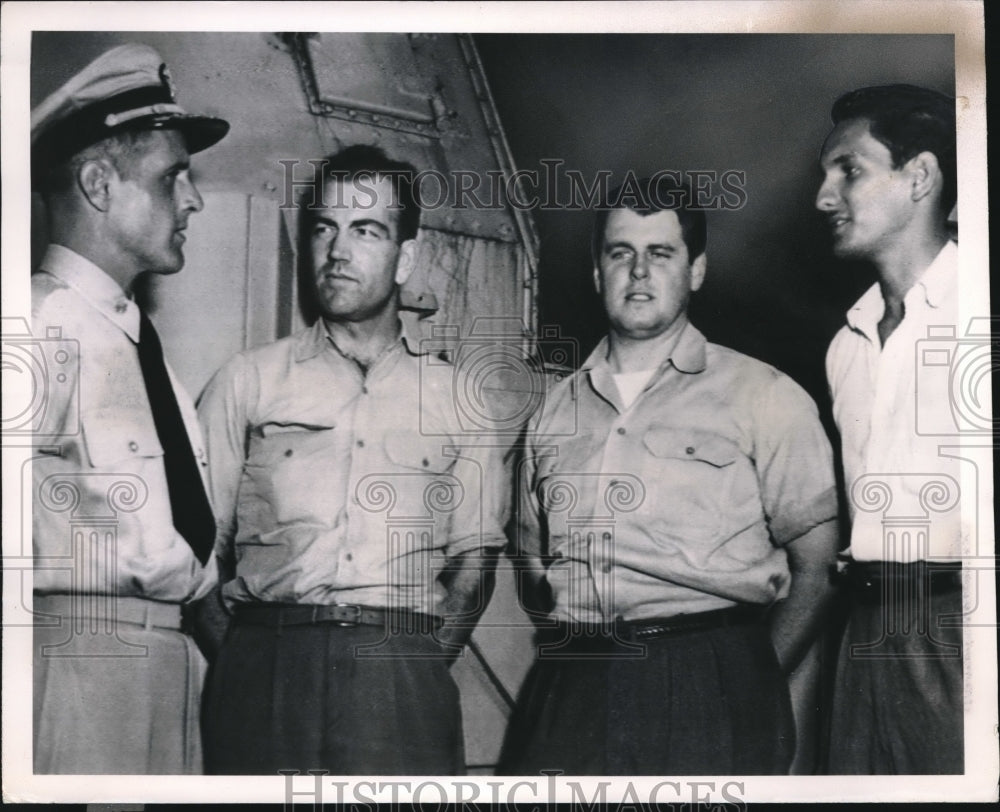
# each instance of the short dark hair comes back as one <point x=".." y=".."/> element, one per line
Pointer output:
<point x="121" y="149"/>
<point x="660" y="192"/>
<point x="908" y="120"/>
<point x="364" y="161"/>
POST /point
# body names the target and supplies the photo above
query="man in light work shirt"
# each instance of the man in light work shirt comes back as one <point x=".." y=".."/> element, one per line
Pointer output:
<point x="678" y="519"/>
<point x="122" y="529"/>
<point x="355" y="516"/>
<point x="889" y="185"/>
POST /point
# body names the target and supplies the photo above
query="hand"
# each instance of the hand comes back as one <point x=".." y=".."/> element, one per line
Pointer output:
<point x="207" y="621"/>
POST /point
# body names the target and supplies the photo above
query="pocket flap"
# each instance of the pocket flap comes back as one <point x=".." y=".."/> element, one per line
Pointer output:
<point x="691" y="445"/>
<point x="271" y="429"/>
<point x="411" y="450"/>
<point x="113" y="437"/>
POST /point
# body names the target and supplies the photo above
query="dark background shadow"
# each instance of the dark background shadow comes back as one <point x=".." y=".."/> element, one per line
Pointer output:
<point x="757" y="104"/>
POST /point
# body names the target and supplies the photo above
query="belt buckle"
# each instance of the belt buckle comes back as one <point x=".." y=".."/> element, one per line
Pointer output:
<point x="655" y="630"/>
<point x="355" y="621"/>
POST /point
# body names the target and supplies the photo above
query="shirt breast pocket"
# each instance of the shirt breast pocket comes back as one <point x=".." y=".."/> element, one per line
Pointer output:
<point x="690" y="478"/>
<point x="121" y="465"/>
<point x="572" y="455"/>
<point x="119" y="440"/>
<point x="419" y="478"/>
<point x="296" y="470"/>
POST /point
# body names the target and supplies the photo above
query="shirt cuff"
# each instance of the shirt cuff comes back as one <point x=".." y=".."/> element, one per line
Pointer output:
<point x="468" y="544"/>
<point x="799" y="518"/>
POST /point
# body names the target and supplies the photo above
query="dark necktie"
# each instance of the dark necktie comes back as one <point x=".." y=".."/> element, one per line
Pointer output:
<point x="193" y="517"/>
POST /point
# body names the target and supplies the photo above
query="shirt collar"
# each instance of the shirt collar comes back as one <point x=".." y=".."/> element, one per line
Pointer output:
<point x="687" y="356"/>
<point x="94" y="285"/>
<point x="316" y="339"/>
<point x="938" y="280"/>
<point x="931" y="288"/>
<point x="689" y="352"/>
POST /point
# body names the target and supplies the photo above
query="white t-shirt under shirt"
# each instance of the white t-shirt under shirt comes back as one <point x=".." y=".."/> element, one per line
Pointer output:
<point x="631" y="384"/>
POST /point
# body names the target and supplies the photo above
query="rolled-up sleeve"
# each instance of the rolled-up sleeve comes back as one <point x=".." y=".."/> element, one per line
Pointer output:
<point x="479" y="519"/>
<point x="528" y="542"/>
<point x="794" y="461"/>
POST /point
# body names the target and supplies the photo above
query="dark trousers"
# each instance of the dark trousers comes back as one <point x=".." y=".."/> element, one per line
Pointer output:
<point x="898" y="707"/>
<point x="707" y="702"/>
<point x="357" y="700"/>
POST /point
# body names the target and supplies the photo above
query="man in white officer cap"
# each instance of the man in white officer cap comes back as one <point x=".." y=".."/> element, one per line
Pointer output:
<point x="122" y="528"/>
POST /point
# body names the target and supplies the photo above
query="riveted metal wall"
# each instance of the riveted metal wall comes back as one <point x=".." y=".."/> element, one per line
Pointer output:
<point x="292" y="98"/>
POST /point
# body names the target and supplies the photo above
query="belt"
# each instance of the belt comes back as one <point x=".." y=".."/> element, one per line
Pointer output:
<point x="277" y="615"/>
<point x="701" y="621"/>
<point x="870" y="579"/>
<point x="138" y="611"/>
<point x="637" y="631"/>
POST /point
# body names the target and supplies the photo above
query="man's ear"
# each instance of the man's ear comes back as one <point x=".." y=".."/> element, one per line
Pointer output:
<point x="406" y="261"/>
<point x="94" y="179"/>
<point x="597" y="279"/>
<point x="925" y="174"/>
<point x="698" y="268"/>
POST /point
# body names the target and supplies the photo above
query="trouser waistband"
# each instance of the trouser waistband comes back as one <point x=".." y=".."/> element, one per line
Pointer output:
<point x="111" y="609"/>
<point x="870" y="579"/>
<point x="587" y="635"/>
<point x="277" y="615"/>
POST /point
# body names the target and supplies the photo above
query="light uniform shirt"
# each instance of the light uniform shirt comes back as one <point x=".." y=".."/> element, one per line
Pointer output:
<point x="336" y="487"/>
<point x="101" y="509"/>
<point x="684" y="501"/>
<point x="893" y="407"/>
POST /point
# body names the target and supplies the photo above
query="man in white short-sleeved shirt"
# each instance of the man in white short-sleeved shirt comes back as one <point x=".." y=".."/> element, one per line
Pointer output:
<point x="889" y="185"/>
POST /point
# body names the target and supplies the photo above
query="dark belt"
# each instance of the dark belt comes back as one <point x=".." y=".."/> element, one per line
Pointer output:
<point x="869" y="580"/>
<point x="637" y="631"/>
<point x="680" y="624"/>
<point x="277" y="615"/>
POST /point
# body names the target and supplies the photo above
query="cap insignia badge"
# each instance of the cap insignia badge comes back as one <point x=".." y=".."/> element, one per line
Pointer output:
<point x="168" y="81"/>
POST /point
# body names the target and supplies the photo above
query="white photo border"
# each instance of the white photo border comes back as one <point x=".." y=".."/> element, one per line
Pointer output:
<point x="963" y="19"/>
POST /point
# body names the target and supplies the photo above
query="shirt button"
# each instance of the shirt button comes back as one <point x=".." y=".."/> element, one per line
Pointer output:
<point x="605" y="567"/>
<point x="349" y="557"/>
<point x="425" y="462"/>
<point x="364" y="390"/>
<point x="361" y="443"/>
<point x="288" y="452"/>
<point x="689" y="450"/>
<point x="121" y="307"/>
<point x="621" y="429"/>
<point x="133" y="446"/>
